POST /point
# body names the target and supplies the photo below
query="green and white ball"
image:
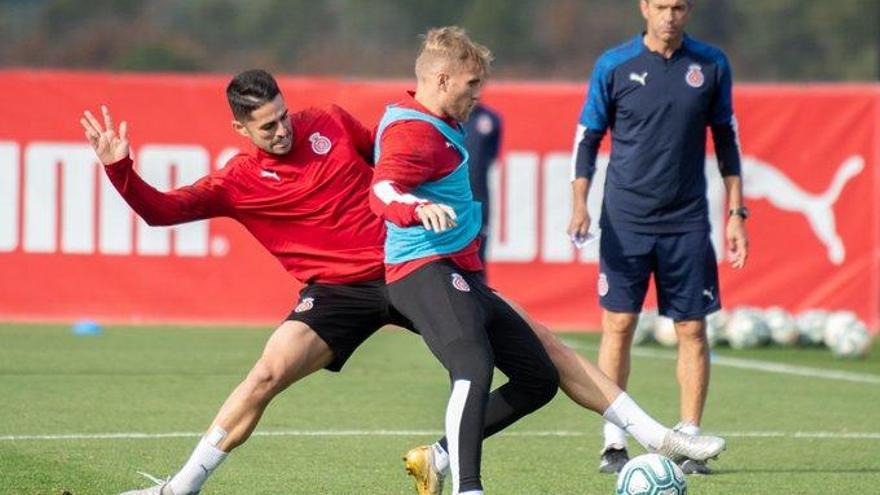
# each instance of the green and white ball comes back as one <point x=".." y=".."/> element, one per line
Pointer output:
<point x="836" y="324"/>
<point x="644" y="331"/>
<point x="783" y="328"/>
<point x="716" y="327"/>
<point x="811" y="325"/>
<point x="651" y="474"/>
<point x="852" y="343"/>
<point x="664" y="332"/>
<point x="746" y="329"/>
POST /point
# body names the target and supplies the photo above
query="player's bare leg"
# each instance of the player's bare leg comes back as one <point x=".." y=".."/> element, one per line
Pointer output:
<point x="693" y="379"/>
<point x="293" y="352"/>
<point x="587" y="386"/>
<point x="614" y="361"/>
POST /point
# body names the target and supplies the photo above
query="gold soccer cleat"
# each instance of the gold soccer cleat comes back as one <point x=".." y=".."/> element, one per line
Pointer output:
<point x="419" y="463"/>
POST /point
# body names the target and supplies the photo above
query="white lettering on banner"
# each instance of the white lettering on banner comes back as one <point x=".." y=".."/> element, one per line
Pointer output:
<point x="77" y="161"/>
<point x="533" y="205"/>
<point x="716" y="196"/>
<point x="761" y="181"/>
<point x="155" y="165"/>
<point x="519" y="217"/>
<point x="115" y="220"/>
<point x="9" y="187"/>
<point x="555" y="244"/>
<point x="77" y="199"/>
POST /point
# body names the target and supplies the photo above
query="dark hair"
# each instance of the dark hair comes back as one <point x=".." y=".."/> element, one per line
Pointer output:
<point x="249" y="91"/>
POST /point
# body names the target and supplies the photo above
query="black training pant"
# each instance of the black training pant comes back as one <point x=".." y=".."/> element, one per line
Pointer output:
<point x="471" y="330"/>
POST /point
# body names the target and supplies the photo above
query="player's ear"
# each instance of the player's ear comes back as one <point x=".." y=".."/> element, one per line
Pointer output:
<point x="240" y="128"/>
<point x="442" y="80"/>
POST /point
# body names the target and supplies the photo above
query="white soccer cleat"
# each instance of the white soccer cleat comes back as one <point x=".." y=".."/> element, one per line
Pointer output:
<point x="678" y="446"/>
<point x="419" y="463"/>
<point x="153" y="490"/>
<point x="160" y="488"/>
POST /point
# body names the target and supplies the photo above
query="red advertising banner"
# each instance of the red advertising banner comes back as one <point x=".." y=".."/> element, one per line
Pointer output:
<point x="70" y="248"/>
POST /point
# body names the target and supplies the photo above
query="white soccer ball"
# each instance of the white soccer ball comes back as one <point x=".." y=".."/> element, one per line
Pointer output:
<point x="644" y="331"/>
<point x="651" y="474"/>
<point x="746" y="329"/>
<point x="811" y="324"/>
<point x="664" y="332"/>
<point x="836" y="324"/>
<point x="783" y="328"/>
<point x="716" y="327"/>
<point x="852" y="342"/>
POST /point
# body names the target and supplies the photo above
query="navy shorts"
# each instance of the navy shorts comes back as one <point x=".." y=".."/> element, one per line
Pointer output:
<point x="683" y="264"/>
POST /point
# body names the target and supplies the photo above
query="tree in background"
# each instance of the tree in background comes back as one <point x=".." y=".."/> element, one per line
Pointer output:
<point x="776" y="40"/>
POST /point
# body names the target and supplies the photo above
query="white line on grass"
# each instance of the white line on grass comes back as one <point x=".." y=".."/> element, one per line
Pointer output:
<point x="418" y="433"/>
<point x="756" y="365"/>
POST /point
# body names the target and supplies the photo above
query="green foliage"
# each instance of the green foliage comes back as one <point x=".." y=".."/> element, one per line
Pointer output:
<point x="787" y="40"/>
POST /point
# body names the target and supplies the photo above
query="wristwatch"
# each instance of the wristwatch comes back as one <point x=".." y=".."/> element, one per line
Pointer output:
<point x="741" y="212"/>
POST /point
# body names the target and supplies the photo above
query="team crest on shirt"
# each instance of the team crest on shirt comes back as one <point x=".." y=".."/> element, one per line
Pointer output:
<point x="484" y="124"/>
<point x="694" y="76"/>
<point x="602" y="285"/>
<point x="460" y="283"/>
<point x="320" y="144"/>
<point x="305" y="305"/>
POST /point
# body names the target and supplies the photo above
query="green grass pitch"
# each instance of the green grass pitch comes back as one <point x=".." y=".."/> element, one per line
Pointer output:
<point x="344" y="433"/>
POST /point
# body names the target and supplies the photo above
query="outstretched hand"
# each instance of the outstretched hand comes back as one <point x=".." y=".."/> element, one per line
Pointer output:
<point x="109" y="145"/>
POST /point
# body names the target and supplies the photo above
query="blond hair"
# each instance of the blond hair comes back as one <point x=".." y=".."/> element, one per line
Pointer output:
<point x="450" y="46"/>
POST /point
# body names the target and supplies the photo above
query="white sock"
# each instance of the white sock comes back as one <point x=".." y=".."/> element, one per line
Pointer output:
<point x="472" y="492"/>
<point x="615" y="437"/>
<point x="687" y="428"/>
<point x="441" y="458"/>
<point x="204" y="460"/>
<point x="625" y="413"/>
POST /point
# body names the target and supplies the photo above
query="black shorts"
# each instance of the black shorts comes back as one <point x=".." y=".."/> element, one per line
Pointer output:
<point x="345" y="315"/>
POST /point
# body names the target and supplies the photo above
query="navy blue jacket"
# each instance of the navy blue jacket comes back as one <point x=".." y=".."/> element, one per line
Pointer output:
<point x="658" y="110"/>
<point x="482" y="141"/>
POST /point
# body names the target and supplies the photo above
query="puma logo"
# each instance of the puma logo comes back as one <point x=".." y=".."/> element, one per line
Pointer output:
<point x="641" y="79"/>
<point x="270" y="174"/>
<point x="762" y="180"/>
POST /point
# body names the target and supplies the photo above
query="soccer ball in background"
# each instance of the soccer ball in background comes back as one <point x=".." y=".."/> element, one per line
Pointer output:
<point x="852" y="342"/>
<point x="836" y="324"/>
<point x="746" y="329"/>
<point x="651" y="474"/>
<point x="644" y="331"/>
<point x="783" y="328"/>
<point x="811" y="324"/>
<point x="664" y="332"/>
<point x="716" y="327"/>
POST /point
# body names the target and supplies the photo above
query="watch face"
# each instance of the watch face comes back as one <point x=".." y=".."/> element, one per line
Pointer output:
<point x="741" y="212"/>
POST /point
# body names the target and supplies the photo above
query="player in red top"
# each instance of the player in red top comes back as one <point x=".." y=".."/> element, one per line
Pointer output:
<point x="304" y="198"/>
<point x="302" y="191"/>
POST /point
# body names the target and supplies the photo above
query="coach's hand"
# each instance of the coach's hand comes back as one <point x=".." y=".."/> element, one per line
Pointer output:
<point x="436" y="217"/>
<point x="108" y="145"/>
<point x="737" y="242"/>
<point x="580" y="222"/>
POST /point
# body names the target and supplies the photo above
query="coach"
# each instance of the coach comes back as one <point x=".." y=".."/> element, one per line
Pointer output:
<point x="657" y="93"/>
